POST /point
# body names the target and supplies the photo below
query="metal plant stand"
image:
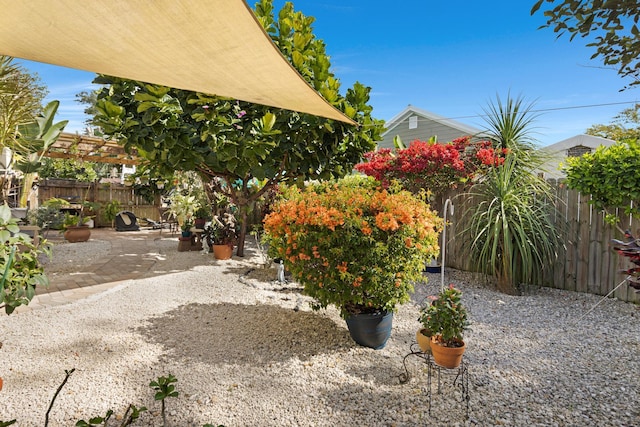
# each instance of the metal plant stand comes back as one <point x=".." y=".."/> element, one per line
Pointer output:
<point x="461" y="379"/>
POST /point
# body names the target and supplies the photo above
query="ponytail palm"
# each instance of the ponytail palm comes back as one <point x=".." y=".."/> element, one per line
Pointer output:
<point x="511" y="230"/>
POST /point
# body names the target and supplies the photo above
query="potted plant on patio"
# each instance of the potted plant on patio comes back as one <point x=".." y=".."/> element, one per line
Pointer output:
<point x="354" y="245"/>
<point x="221" y="234"/>
<point x="75" y="228"/>
<point x="446" y="318"/>
<point x="184" y="207"/>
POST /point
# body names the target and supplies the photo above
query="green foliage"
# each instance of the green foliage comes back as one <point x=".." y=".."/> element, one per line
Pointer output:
<point x="509" y="125"/>
<point x="69" y="169"/>
<point x="511" y="233"/>
<point x="21" y="95"/>
<point x="222" y="230"/>
<point x="239" y="142"/>
<point x="56" y="202"/>
<point x="446" y="317"/>
<point x="164" y="388"/>
<point x="625" y="126"/>
<point x="131" y="414"/>
<point x="184" y="207"/>
<point x="46" y="217"/>
<point x="610" y="175"/>
<point x="19" y="265"/>
<point x="36" y="137"/>
<point x="71" y="220"/>
<point x="353" y="244"/>
<point x="612" y="25"/>
<point x="110" y="210"/>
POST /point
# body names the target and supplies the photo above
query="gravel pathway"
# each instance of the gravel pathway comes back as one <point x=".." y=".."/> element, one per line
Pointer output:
<point x="247" y="352"/>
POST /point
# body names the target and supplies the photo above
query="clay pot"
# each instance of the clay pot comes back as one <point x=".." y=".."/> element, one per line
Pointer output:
<point x="222" y="251"/>
<point x="76" y="234"/>
<point x="447" y="357"/>
<point x="424" y="340"/>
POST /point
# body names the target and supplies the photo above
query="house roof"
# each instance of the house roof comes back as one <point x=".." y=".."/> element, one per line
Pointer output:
<point x="211" y="46"/>
<point x="411" y="110"/>
<point x="559" y="151"/>
<point x="590" y="141"/>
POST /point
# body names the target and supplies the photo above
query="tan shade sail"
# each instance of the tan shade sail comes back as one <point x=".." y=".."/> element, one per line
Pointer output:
<point x="211" y="46"/>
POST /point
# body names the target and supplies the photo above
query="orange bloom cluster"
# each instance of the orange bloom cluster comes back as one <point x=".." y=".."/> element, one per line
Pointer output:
<point x="353" y="242"/>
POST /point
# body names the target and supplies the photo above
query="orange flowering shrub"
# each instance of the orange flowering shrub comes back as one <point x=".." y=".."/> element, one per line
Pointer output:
<point x="352" y="243"/>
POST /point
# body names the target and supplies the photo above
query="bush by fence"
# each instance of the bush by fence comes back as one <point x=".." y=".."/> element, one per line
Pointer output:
<point x="586" y="261"/>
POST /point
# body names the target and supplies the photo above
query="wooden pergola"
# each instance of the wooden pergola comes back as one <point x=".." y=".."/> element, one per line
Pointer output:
<point x="90" y="149"/>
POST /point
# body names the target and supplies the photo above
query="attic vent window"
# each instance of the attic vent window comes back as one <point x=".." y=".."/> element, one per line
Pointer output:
<point x="413" y="122"/>
<point x="578" y="151"/>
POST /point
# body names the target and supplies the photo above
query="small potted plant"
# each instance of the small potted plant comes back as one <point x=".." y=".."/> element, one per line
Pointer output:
<point x="202" y="215"/>
<point x="184" y="207"/>
<point x="221" y="234"/>
<point x="354" y="245"/>
<point x="446" y="318"/>
<point x="186" y="226"/>
<point x="75" y="228"/>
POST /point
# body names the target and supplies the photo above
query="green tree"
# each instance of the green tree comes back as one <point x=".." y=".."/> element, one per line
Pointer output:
<point x="21" y="95"/>
<point x="613" y="26"/>
<point x="625" y="126"/>
<point x="88" y="99"/>
<point x="235" y="144"/>
<point x="510" y="233"/>
<point x="36" y="138"/>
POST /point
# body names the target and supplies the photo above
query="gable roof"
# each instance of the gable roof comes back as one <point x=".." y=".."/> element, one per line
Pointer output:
<point x="411" y="110"/>
<point x="558" y="152"/>
<point x="589" y="141"/>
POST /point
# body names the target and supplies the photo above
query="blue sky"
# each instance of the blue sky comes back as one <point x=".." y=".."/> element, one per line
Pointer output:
<point x="450" y="58"/>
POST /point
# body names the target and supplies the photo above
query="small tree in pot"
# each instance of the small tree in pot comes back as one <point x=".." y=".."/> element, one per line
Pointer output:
<point x="353" y="244"/>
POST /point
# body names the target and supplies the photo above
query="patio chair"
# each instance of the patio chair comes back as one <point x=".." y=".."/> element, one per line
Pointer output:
<point x="126" y="221"/>
<point x="168" y="220"/>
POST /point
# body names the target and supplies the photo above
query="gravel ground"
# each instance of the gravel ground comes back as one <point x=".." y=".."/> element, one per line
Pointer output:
<point x="248" y="352"/>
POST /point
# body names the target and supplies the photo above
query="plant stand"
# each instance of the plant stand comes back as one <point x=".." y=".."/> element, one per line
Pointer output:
<point x="191" y="243"/>
<point x="461" y="379"/>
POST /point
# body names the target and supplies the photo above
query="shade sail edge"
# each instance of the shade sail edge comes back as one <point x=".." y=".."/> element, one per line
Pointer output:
<point x="213" y="46"/>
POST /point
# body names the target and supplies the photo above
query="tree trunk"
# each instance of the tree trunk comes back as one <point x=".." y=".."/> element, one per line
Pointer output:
<point x="243" y="231"/>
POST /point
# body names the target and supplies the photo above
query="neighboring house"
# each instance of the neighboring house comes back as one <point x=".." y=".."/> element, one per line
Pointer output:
<point x="571" y="147"/>
<point x="414" y="123"/>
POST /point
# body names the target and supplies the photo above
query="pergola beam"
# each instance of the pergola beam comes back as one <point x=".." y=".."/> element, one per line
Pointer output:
<point x="90" y="149"/>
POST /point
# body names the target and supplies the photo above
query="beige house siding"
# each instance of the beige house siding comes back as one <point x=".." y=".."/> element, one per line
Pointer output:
<point x="427" y="125"/>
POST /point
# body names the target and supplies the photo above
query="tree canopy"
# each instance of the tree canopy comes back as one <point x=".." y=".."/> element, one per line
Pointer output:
<point x="21" y="95"/>
<point x="613" y="26"/>
<point x="625" y="126"/>
<point x="236" y="144"/>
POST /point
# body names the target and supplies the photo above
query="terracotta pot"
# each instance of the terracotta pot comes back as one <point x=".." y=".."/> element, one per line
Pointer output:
<point x="76" y="234"/>
<point x="222" y="251"/>
<point x="0" y="383"/>
<point x="447" y="357"/>
<point x="424" y="340"/>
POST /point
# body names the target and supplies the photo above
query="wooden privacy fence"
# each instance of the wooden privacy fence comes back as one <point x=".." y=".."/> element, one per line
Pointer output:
<point x="102" y="193"/>
<point x="585" y="259"/>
